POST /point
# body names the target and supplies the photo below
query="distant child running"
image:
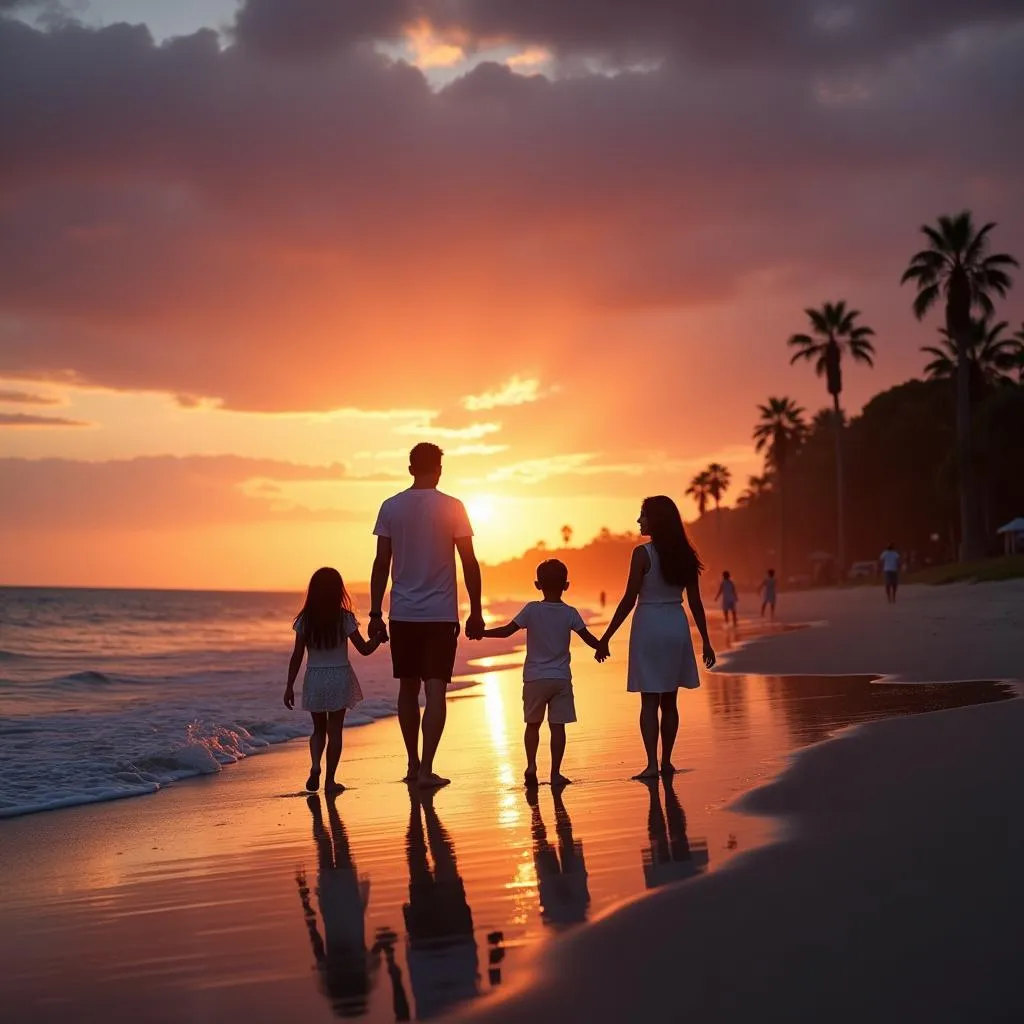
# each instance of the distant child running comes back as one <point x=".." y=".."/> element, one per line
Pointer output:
<point x="322" y="631"/>
<point x="767" y="590"/>
<point x="547" y="678"/>
<point x="727" y="592"/>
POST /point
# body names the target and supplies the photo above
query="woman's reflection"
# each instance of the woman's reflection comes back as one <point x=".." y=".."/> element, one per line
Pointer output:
<point x="441" y="948"/>
<point x="562" y="873"/>
<point x="670" y="857"/>
<point x="340" y="947"/>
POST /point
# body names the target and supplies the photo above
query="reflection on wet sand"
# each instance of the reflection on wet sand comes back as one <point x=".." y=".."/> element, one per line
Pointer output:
<point x="342" y="964"/>
<point x="670" y="856"/>
<point x="562" y="872"/>
<point x="440" y="945"/>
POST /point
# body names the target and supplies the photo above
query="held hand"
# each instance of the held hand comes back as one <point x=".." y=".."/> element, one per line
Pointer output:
<point x="289" y="698"/>
<point x="377" y="630"/>
<point x="475" y="627"/>
<point x="709" y="656"/>
<point x="603" y="652"/>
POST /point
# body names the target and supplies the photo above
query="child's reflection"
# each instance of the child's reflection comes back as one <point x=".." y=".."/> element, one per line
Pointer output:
<point x="338" y="939"/>
<point x="670" y="857"/>
<point x="441" y="948"/>
<point x="561" y="873"/>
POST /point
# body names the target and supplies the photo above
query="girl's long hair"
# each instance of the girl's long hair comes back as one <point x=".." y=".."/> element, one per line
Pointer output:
<point x="680" y="564"/>
<point x="321" y="617"/>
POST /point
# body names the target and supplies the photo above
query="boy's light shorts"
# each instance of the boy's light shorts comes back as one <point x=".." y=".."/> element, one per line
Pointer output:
<point x="553" y="694"/>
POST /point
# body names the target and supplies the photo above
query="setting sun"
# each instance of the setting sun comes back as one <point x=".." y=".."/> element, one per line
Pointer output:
<point x="481" y="508"/>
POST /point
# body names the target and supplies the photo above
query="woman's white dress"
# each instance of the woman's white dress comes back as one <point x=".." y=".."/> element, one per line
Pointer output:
<point x="661" y="657"/>
<point x="330" y="683"/>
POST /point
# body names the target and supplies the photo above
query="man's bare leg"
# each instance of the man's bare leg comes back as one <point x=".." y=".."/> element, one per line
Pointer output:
<point x="434" y="716"/>
<point x="409" y="720"/>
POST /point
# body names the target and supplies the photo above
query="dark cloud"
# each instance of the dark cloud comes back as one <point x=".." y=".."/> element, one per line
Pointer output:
<point x="813" y="32"/>
<point x="23" y="419"/>
<point x="309" y="234"/>
<point x="26" y="398"/>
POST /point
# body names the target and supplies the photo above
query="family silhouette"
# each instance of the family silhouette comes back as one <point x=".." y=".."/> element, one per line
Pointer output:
<point x="419" y="532"/>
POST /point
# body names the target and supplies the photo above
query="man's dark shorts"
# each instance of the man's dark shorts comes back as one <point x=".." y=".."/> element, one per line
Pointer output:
<point x="892" y="578"/>
<point x="423" y="650"/>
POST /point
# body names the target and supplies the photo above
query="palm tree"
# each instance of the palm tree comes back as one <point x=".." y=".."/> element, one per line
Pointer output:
<point x="990" y="356"/>
<point x="757" y="487"/>
<point x="835" y="333"/>
<point x="778" y="434"/>
<point x="719" y="479"/>
<point x="700" y="491"/>
<point x="566" y="535"/>
<point x="958" y="267"/>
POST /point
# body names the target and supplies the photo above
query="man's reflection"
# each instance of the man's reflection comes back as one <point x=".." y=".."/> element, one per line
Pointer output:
<point x="561" y="873"/>
<point x="340" y="947"/>
<point x="670" y="857"/>
<point x="441" y="948"/>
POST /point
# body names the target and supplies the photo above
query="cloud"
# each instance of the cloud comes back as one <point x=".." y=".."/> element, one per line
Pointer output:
<point x="27" y="398"/>
<point x="23" y="419"/>
<point x="515" y="391"/>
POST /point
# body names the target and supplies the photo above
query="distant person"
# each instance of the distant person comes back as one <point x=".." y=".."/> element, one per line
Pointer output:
<point x="322" y="631"/>
<point x="547" y="677"/>
<point x="418" y="532"/>
<point x="603" y="599"/>
<point x="890" y="559"/>
<point x="661" y="655"/>
<point x="768" y="590"/>
<point x="729" y="597"/>
<point x="342" y="964"/>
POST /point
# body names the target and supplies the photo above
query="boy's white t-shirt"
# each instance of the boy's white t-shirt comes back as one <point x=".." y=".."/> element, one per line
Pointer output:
<point x="549" y="627"/>
<point x="890" y="560"/>
<point x="423" y="524"/>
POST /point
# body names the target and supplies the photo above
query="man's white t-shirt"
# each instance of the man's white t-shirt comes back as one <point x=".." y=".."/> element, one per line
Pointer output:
<point x="890" y="560"/>
<point x="423" y="524"/>
<point x="549" y="627"/>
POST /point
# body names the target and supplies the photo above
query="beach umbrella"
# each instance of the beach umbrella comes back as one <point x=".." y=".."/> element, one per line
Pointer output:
<point x="1012" y="533"/>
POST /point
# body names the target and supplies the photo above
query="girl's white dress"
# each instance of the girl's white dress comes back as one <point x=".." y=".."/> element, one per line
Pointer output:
<point x="661" y="657"/>
<point x="330" y="683"/>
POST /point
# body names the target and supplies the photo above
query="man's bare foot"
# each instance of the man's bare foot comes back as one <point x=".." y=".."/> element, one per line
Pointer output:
<point x="412" y="774"/>
<point x="313" y="782"/>
<point x="559" y="780"/>
<point x="530" y="778"/>
<point x="333" y="788"/>
<point x="431" y="780"/>
<point x="668" y="768"/>
<point x="650" y="772"/>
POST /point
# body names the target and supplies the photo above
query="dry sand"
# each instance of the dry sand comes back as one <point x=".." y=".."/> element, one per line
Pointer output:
<point x="897" y="894"/>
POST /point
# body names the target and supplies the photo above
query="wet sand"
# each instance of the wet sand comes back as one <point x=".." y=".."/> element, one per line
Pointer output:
<point x="236" y="896"/>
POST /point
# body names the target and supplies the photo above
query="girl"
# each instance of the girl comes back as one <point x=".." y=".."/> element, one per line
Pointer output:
<point x="660" y="648"/>
<point x="323" y="629"/>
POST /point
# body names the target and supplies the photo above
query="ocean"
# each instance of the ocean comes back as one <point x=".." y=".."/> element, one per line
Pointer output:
<point x="114" y="693"/>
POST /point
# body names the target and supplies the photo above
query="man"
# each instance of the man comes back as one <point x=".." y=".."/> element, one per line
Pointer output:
<point x="890" y="559"/>
<point x="418" y="532"/>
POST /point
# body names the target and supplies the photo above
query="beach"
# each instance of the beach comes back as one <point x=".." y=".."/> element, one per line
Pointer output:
<point x="852" y="883"/>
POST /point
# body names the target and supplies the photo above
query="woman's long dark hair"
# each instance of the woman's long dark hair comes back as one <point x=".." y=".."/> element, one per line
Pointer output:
<point x="680" y="563"/>
<point x="321" y="617"/>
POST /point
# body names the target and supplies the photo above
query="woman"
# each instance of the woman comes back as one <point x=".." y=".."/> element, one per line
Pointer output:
<point x="661" y="655"/>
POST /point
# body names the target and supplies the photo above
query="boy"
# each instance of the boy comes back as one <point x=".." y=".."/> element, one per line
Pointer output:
<point x="767" y="590"/>
<point x="547" y="678"/>
<point x="727" y="592"/>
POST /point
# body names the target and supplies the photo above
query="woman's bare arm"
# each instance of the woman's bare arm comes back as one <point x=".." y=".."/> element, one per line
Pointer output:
<point x="700" y="620"/>
<point x="638" y="566"/>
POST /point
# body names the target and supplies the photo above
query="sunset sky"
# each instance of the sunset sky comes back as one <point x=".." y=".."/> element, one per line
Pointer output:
<point x="251" y="253"/>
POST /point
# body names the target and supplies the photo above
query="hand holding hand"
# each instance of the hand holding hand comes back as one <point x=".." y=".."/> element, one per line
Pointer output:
<point x="377" y="630"/>
<point x="475" y="627"/>
<point x="603" y="652"/>
<point x="289" y="697"/>
<point x="709" y="656"/>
